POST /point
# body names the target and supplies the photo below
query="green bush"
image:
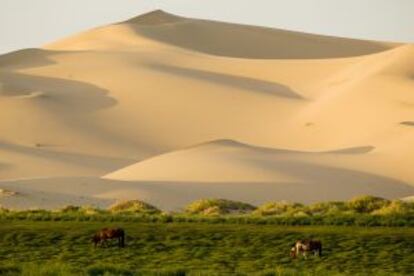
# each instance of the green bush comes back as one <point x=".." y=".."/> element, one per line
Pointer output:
<point x="367" y="204"/>
<point x="281" y="209"/>
<point x="134" y="206"/>
<point x="327" y="208"/>
<point x="395" y="207"/>
<point x="69" y="209"/>
<point x="218" y="207"/>
<point x="364" y="211"/>
<point x="3" y="210"/>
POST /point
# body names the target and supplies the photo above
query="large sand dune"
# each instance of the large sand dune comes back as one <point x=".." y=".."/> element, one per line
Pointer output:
<point x="155" y="104"/>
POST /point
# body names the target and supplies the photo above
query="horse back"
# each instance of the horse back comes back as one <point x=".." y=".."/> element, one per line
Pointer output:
<point x="315" y="245"/>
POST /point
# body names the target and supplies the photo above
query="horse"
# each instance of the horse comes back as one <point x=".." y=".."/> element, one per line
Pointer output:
<point x="306" y="246"/>
<point x="101" y="237"/>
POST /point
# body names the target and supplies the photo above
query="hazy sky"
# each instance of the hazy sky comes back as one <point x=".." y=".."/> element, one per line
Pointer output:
<point x="32" y="23"/>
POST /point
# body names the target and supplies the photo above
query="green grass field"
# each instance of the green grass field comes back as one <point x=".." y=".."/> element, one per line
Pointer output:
<point x="31" y="247"/>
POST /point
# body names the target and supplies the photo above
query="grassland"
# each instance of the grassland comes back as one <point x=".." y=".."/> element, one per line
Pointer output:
<point x="364" y="236"/>
<point x="31" y="247"/>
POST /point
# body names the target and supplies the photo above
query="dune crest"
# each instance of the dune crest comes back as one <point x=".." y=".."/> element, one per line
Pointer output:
<point x="156" y="17"/>
<point x="242" y="41"/>
<point x="220" y="39"/>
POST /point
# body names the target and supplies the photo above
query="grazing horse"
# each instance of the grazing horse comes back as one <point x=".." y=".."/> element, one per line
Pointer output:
<point x="306" y="246"/>
<point x="101" y="237"/>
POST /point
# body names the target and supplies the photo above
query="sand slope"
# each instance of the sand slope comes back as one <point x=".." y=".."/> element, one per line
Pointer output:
<point x="163" y="98"/>
<point x="231" y="161"/>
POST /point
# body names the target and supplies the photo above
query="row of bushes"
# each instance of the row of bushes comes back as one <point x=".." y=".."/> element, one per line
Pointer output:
<point x="363" y="210"/>
<point x="215" y="207"/>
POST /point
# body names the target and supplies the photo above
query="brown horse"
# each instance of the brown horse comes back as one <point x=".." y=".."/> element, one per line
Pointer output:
<point x="305" y="247"/>
<point x="101" y="237"/>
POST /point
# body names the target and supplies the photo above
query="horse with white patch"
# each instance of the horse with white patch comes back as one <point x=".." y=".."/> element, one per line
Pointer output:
<point x="306" y="246"/>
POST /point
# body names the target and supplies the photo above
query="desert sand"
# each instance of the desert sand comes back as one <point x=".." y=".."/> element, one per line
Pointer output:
<point x="169" y="109"/>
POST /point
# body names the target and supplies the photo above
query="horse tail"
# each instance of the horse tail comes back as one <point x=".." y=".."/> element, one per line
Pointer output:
<point x="320" y="250"/>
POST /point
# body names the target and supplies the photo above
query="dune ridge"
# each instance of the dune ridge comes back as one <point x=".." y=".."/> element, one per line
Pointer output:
<point x="232" y="40"/>
<point x="167" y="109"/>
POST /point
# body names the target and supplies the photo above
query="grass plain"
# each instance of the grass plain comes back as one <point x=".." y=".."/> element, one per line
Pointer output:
<point x="36" y="247"/>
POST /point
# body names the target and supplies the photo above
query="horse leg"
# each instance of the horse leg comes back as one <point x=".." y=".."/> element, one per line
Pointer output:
<point x="298" y="251"/>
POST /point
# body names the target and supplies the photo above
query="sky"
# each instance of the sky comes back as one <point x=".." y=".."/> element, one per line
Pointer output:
<point x="33" y="23"/>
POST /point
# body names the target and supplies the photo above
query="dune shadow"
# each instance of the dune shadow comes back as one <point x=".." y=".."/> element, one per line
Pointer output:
<point x="354" y="150"/>
<point x="64" y="94"/>
<point x="232" y="81"/>
<point x="407" y="123"/>
<point x="337" y="177"/>
<point x="74" y="95"/>
<point x="26" y="58"/>
<point x="4" y="165"/>
<point x="78" y="159"/>
<point x="268" y="150"/>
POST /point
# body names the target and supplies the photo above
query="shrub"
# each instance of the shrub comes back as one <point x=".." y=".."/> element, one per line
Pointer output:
<point x="69" y="209"/>
<point x="218" y="207"/>
<point x="367" y="204"/>
<point x="134" y="206"/>
<point x="327" y="208"/>
<point x="89" y="210"/>
<point x="395" y="207"/>
<point x="3" y="210"/>
<point x="280" y="209"/>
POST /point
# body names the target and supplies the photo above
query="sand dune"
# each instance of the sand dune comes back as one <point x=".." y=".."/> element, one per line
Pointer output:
<point x="148" y="101"/>
<point x="227" y="165"/>
<point x="231" y="161"/>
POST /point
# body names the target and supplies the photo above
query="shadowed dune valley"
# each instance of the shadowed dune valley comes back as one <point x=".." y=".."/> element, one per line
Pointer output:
<point x="170" y="109"/>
